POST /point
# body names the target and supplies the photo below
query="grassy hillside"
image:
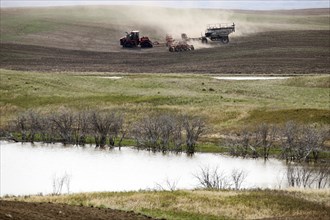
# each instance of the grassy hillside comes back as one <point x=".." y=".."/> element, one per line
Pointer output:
<point x="226" y="104"/>
<point x="200" y="204"/>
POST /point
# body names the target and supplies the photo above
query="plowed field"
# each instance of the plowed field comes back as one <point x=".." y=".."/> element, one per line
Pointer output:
<point x="49" y="211"/>
<point x="278" y="52"/>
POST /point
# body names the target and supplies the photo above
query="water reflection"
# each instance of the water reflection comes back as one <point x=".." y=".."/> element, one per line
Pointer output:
<point x="30" y="168"/>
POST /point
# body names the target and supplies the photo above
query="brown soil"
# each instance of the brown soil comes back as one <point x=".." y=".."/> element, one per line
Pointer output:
<point x="48" y="211"/>
<point x="278" y="52"/>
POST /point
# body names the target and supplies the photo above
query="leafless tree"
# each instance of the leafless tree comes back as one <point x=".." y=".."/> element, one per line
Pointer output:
<point x="34" y="124"/>
<point x="323" y="176"/>
<point x="83" y="127"/>
<point x="60" y="182"/>
<point x="293" y="176"/>
<point x="245" y="142"/>
<point x="169" y="185"/>
<point x="116" y="129"/>
<point x="28" y="124"/>
<point x="104" y="125"/>
<point x="64" y="123"/>
<point x="308" y="176"/>
<point x="21" y="125"/>
<point x="194" y="127"/>
<point x="238" y="177"/>
<point x="265" y="136"/>
<point x="177" y="137"/>
<point x="166" y="128"/>
<point x="212" y="179"/>
<point x="147" y="132"/>
<point x="290" y="141"/>
<point x="241" y="144"/>
<point x="303" y="143"/>
<point x="311" y="142"/>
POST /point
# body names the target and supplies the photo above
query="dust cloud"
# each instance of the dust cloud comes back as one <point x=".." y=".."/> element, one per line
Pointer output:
<point x="156" y="22"/>
<point x="99" y="28"/>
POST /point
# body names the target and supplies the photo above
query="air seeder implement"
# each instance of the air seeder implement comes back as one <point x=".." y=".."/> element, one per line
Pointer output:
<point x="214" y="32"/>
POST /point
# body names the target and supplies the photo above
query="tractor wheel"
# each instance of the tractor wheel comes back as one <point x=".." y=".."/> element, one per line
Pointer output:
<point x="146" y="44"/>
<point x="192" y="47"/>
<point x="204" y="40"/>
<point x="171" y="49"/>
<point x="225" y="40"/>
<point x="127" y="44"/>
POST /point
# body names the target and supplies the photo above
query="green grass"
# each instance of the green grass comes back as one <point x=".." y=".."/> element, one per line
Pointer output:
<point x="199" y="204"/>
<point x="231" y="104"/>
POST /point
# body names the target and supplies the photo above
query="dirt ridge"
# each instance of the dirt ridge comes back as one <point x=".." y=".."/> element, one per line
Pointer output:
<point x="49" y="211"/>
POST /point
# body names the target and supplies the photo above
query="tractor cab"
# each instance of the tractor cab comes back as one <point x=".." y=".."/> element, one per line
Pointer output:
<point x="134" y="35"/>
<point x="131" y="39"/>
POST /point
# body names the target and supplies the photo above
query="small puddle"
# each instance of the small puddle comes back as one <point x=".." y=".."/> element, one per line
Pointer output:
<point x="249" y="77"/>
<point x="110" y="77"/>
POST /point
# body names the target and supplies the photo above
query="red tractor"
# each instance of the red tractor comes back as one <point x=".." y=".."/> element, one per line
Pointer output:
<point x="132" y="40"/>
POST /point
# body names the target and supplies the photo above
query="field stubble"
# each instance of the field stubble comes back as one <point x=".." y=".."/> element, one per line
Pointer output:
<point x="253" y="204"/>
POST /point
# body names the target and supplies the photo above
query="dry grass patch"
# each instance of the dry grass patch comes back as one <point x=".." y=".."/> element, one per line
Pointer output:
<point x="201" y="204"/>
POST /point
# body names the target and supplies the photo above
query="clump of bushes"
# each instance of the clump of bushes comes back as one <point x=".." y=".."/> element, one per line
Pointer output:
<point x="70" y="127"/>
<point x="157" y="132"/>
<point x="296" y="143"/>
<point x="168" y="132"/>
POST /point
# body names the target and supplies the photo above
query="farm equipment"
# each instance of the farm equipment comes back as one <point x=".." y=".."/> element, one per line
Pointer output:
<point x="180" y="46"/>
<point x="132" y="40"/>
<point x="214" y="32"/>
<point x="177" y="46"/>
<point x="169" y="40"/>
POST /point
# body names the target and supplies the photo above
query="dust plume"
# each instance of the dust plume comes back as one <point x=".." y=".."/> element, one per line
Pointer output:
<point x="99" y="28"/>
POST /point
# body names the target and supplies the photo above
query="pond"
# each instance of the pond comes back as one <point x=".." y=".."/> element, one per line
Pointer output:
<point x="249" y="77"/>
<point x="31" y="169"/>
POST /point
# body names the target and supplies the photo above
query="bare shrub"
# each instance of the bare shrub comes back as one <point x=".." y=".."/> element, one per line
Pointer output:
<point x="194" y="127"/>
<point x="290" y="141"/>
<point x="302" y="143"/>
<point x="27" y="124"/>
<point x="241" y="145"/>
<point x="165" y="132"/>
<point x="60" y="182"/>
<point x="21" y="126"/>
<point x="308" y="176"/>
<point x="166" y="128"/>
<point x="83" y="127"/>
<point x="238" y="177"/>
<point x="212" y="179"/>
<point x="64" y="123"/>
<point x="35" y="124"/>
<point x="323" y="176"/>
<point x="168" y="185"/>
<point x="177" y="137"/>
<point x="147" y="132"/>
<point x="104" y="125"/>
<point x="293" y="176"/>
<point x="297" y="142"/>
<point x="265" y="136"/>
<point x="311" y="142"/>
